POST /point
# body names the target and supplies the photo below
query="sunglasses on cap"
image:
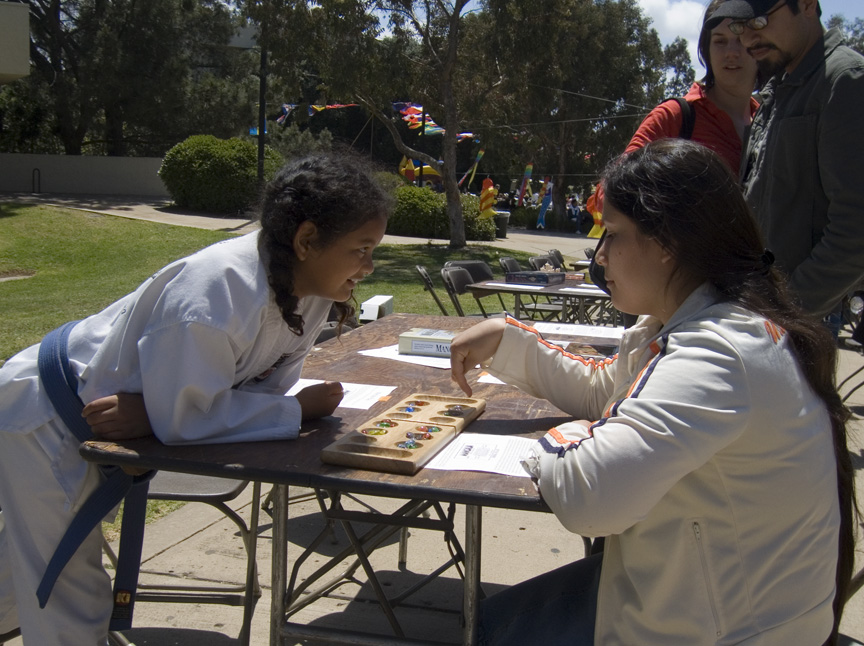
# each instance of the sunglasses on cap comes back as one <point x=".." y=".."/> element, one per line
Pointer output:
<point x="756" y="23"/>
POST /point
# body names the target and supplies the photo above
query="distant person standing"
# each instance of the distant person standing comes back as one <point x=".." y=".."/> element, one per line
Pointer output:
<point x="715" y="112"/>
<point x="721" y="105"/>
<point x="802" y="170"/>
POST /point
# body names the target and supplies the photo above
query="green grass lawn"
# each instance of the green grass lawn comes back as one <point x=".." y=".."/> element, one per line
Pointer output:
<point x="80" y="262"/>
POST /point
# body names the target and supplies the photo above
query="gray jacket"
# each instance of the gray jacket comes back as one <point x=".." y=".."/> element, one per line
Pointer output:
<point x="803" y="172"/>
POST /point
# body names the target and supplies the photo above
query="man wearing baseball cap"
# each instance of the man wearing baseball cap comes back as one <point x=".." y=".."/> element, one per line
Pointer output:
<point x="802" y="169"/>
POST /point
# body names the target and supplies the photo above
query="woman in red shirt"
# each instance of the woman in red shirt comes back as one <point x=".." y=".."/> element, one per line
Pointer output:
<point x="722" y="103"/>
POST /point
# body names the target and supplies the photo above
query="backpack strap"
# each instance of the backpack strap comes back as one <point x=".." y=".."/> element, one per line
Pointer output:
<point x="688" y="117"/>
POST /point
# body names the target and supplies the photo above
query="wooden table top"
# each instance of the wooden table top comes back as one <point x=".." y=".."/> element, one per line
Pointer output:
<point x="297" y="462"/>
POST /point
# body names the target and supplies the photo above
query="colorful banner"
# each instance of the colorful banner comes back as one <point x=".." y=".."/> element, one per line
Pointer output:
<point x="412" y="113"/>
<point x="473" y="168"/>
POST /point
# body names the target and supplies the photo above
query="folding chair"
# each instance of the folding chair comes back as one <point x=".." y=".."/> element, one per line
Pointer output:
<point x="538" y="262"/>
<point x="479" y="270"/>
<point x="456" y="280"/>
<point x="429" y="287"/>
<point x="557" y="256"/>
<point x="509" y="265"/>
<point x="216" y="492"/>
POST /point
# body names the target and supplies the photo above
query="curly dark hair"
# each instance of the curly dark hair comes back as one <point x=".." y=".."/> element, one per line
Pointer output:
<point x="686" y="198"/>
<point x="338" y="193"/>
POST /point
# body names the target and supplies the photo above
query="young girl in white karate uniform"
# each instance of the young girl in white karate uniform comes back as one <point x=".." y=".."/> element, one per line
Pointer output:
<point x="208" y="345"/>
<point x="710" y="452"/>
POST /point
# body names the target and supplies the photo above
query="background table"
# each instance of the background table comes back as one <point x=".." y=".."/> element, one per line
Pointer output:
<point x="581" y="302"/>
<point x="284" y="463"/>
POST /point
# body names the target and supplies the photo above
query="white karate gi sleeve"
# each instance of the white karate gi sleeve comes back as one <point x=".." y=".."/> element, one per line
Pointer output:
<point x="188" y="373"/>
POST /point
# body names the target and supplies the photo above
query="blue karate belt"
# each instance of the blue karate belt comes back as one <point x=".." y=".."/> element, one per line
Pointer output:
<point x="61" y="385"/>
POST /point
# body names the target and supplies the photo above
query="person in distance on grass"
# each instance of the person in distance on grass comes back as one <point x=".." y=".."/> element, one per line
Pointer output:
<point x="202" y="352"/>
<point x="710" y="452"/>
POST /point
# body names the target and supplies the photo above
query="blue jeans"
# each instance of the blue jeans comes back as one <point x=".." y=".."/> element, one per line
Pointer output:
<point x="558" y="607"/>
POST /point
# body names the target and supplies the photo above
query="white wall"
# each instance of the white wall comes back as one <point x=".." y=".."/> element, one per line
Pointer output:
<point x="75" y="174"/>
<point x="14" y="41"/>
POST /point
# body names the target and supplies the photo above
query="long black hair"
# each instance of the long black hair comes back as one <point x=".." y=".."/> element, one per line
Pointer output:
<point x="685" y="197"/>
<point x="338" y="193"/>
<point x="703" y="48"/>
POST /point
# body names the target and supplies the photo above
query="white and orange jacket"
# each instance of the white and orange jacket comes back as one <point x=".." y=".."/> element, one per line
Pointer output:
<point x="709" y="466"/>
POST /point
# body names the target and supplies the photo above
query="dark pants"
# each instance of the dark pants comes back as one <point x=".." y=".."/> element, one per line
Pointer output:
<point x="558" y="607"/>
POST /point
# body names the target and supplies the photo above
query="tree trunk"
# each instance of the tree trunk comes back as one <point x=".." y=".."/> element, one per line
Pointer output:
<point x="454" y="211"/>
<point x="115" y="145"/>
<point x="451" y="118"/>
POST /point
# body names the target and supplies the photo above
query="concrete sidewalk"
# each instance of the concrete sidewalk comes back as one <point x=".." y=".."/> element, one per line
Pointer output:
<point x="196" y="543"/>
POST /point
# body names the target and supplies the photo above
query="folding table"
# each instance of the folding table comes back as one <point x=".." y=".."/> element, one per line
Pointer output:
<point x="297" y="462"/>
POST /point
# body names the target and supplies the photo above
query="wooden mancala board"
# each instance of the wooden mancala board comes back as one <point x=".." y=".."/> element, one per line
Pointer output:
<point x="406" y="436"/>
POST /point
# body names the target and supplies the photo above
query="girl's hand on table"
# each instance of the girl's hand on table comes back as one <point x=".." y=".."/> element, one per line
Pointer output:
<point x="118" y="417"/>
<point x="320" y="400"/>
<point x="474" y="346"/>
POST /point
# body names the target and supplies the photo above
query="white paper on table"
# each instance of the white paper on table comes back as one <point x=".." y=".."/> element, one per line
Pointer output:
<point x="359" y="396"/>
<point x="599" y="334"/>
<point x="392" y="352"/>
<point x="480" y="452"/>
<point x="486" y="378"/>
<point x="593" y="289"/>
<point x="528" y="288"/>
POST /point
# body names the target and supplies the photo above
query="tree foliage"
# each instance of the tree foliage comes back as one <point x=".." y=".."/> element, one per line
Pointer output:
<point x="680" y="74"/>
<point x="853" y="31"/>
<point x="562" y="83"/>
<point x="574" y="102"/>
<point x="125" y="77"/>
<point x="420" y="58"/>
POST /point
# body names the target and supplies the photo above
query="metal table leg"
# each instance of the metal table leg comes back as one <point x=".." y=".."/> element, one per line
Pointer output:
<point x="279" y="571"/>
<point x="471" y="598"/>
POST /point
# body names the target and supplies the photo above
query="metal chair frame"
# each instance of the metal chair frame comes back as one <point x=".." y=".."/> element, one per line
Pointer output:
<point x="479" y="270"/>
<point x="413" y="514"/>
<point x="429" y="287"/>
<point x="535" y="310"/>
<point x="456" y="280"/>
<point x="215" y="492"/>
